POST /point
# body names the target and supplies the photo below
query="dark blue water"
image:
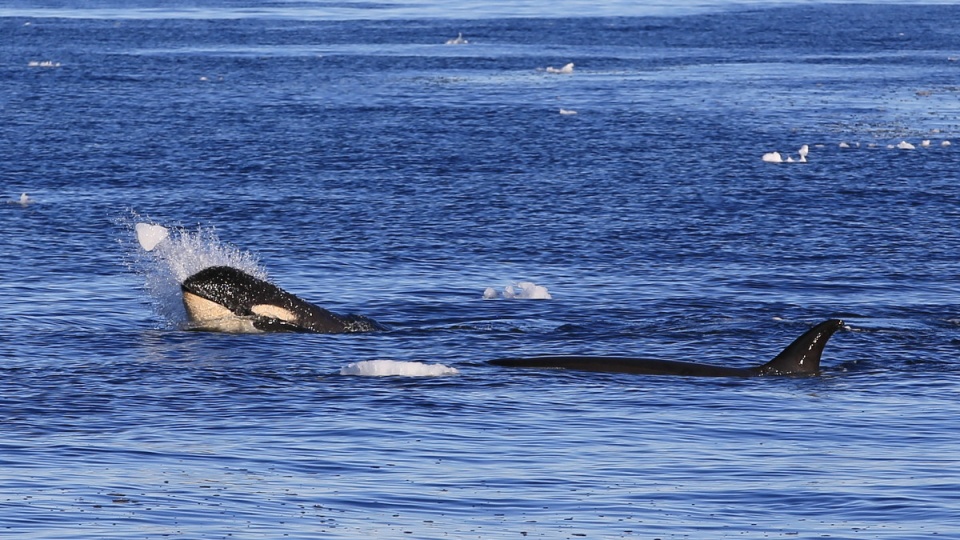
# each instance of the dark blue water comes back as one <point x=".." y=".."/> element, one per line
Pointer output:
<point x="372" y="169"/>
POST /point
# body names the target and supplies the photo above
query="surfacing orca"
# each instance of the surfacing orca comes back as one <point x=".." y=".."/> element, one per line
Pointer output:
<point x="802" y="357"/>
<point x="226" y="299"/>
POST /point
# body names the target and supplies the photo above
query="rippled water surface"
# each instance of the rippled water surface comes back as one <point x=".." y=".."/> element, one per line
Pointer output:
<point x="371" y="168"/>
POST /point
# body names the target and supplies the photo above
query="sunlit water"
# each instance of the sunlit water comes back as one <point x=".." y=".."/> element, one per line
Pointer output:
<point x="348" y="154"/>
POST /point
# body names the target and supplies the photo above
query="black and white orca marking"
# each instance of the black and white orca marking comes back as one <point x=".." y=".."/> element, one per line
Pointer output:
<point x="226" y="299"/>
<point x="800" y="358"/>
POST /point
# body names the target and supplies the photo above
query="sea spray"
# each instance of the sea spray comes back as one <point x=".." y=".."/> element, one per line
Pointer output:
<point x="164" y="257"/>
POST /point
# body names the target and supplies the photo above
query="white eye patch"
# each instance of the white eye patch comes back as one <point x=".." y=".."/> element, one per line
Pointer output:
<point x="276" y="312"/>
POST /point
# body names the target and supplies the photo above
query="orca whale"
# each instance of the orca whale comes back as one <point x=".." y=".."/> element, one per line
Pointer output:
<point x="227" y="299"/>
<point x="800" y="358"/>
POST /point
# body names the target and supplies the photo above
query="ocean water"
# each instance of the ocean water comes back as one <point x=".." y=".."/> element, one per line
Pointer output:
<point x="351" y="156"/>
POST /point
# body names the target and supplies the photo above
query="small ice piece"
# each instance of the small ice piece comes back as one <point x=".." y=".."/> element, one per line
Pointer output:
<point x="566" y="70"/>
<point x="386" y="368"/>
<point x="459" y="40"/>
<point x="534" y="291"/>
<point x="803" y="151"/>
<point x="945" y="143"/>
<point x="925" y="143"/>
<point x="24" y="200"/>
<point x="527" y="290"/>
<point x="567" y="112"/>
<point x="844" y="145"/>
<point x="773" y="157"/>
<point x="904" y="145"/>
<point x="150" y="235"/>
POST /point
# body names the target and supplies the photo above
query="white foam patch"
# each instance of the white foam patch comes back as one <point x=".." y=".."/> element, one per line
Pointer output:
<point x="387" y="368"/>
<point x="525" y="290"/>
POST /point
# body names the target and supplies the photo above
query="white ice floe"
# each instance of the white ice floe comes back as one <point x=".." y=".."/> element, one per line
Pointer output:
<point x="777" y="157"/>
<point x="945" y="143"/>
<point x="150" y="235"/>
<point x="24" y="200"/>
<point x="43" y="64"/>
<point x="387" y="368"/>
<point x="568" y="112"/>
<point x="904" y="145"/>
<point x="459" y="40"/>
<point x="524" y="290"/>
<point x="772" y="157"/>
<point x="567" y="69"/>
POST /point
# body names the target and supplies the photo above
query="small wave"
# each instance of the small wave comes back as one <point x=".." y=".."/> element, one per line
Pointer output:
<point x="386" y="368"/>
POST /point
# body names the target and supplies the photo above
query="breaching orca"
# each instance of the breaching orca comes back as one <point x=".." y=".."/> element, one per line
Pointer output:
<point x="230" y="300"/>
<point x="802" y="357"/>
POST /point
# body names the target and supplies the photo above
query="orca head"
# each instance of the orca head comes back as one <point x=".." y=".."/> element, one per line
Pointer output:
<point x="226" y="299"/>
<point x="231" y="300"/>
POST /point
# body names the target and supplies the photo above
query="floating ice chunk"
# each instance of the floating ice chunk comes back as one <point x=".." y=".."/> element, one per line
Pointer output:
<point x="459" y="40"/>
<point x="150" y="235"/>
<point x="525" y="290"/>
<point x="945" y="143"/>
<point x="567" y="112"/>
<point x="386" y="368"/>
<point x="24" y="200"/>
<point x="925" y="143"/>
<point x="777" y="157"/>
<point x="566" y="70"/>
<point x="43" y="64"/>
<point x="904" y="145"/>
<point x="844" y="145"/>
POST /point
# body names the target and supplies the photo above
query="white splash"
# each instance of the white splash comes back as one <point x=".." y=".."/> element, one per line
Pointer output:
<point x="565" y="70"/>
<point x="459" y="40"/>
<point x="387" y="368"/>
<point x="525" y="290"/>
<point x="164" y="257"/>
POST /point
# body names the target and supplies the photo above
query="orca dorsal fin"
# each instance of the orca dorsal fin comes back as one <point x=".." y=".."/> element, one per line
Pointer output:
<point x="802" y="357"/>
